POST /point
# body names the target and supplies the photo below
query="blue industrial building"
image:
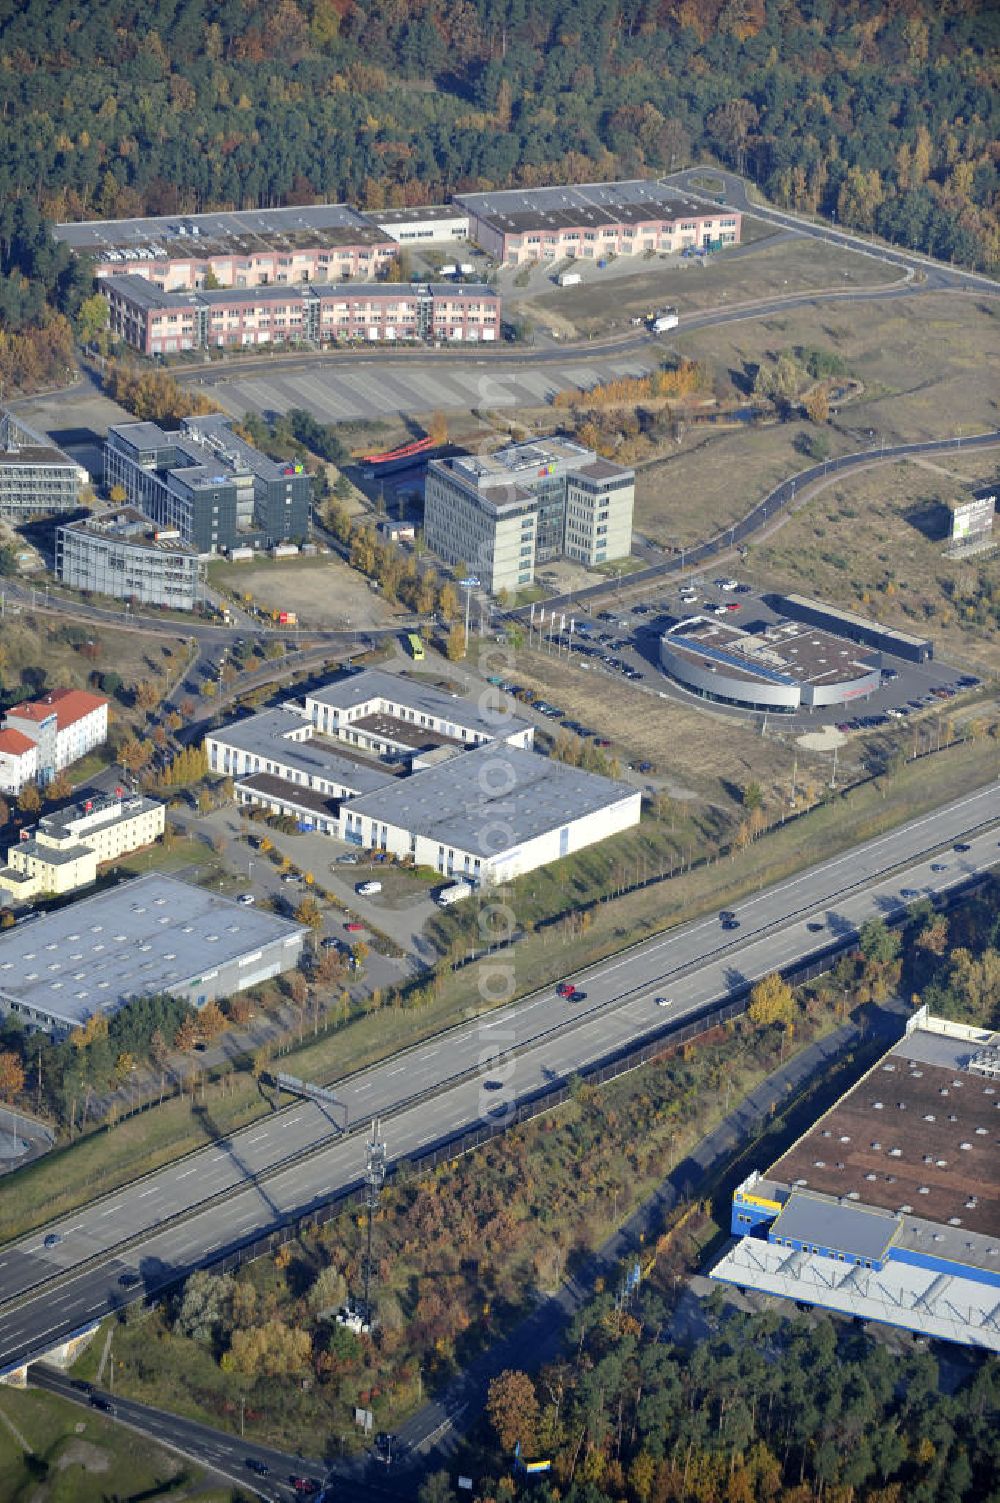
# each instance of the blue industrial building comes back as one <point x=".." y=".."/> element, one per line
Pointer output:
<point x="888" y="1208"/>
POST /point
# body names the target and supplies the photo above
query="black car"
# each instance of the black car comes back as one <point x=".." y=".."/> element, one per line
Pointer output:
<point x="730" y="923"/>
<point x="727" y="913"/>
<point x="98" y="1401"/>
<point x="962" y="845"/>
<point x="259" y="1468"/>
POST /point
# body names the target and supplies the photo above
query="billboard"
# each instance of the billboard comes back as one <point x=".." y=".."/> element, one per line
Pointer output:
<point x="972" y="519"/>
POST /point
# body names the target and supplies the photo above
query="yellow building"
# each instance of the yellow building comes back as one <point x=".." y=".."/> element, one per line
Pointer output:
<point x="65" y="849"/>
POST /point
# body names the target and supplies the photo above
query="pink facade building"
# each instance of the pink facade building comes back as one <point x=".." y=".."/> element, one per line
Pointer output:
<point x="162" y="323"/>
<point x="595" y="220"/>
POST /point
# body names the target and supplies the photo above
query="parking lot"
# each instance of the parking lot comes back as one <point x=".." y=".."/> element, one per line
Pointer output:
<point x="625" y="642"/>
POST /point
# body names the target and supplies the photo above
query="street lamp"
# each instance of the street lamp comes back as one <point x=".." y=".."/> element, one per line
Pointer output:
<point x="468" y="584"/>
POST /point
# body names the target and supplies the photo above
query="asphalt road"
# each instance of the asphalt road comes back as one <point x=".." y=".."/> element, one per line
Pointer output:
<point x="236" y="1187"/>
<point x="764" y="514"/>
<point x="939" y="274"/>
<point x="226" y="1455"/>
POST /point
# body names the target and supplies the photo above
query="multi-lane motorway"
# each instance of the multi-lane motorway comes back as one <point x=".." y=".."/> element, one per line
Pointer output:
<point x="298" y="1159"/>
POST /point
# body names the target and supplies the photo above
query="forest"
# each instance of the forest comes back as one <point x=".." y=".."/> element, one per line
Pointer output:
<point x="882" y="114"/>
<point x="765" y="1407"/>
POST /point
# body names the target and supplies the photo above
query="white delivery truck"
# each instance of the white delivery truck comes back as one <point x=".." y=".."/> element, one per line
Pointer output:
<point x="569" y="278"/>
<point x="454" y="894"/>
<point x="449" y="271"/>
<point x="666" y="319"/>
<point x="467" y="268"/>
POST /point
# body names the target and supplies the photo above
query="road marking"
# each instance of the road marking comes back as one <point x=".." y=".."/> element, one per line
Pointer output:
<point x="396" y="1072"/>
<point x="111" y="1210"/>
<point x="259" y="1138"/>
<point x="151" y="1191"/>
<point x="187" y="1173"/>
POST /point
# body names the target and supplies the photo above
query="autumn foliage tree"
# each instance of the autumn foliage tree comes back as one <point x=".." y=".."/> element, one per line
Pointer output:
<point x="512" y="1406"/>
<point x="771" y="1001"/>
<point x="11" y="1075"/>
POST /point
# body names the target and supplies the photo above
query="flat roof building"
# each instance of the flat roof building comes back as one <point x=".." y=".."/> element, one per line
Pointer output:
<point x="508" y="512"/>
<point x="899" y="644"/>
<point x="888" y="1207"/>
<point x="491" y="814"/>
<point x="594" y="220"/>
<point x="64" y="850"/>
<point x="36" y="478"/>
<point x="389" y="763"/>
<point x="427" y="224"/>
<point x="158" y="322"/>
<point x="783" y="667"/>
<point x="207" y="486"/>
<point x="123" y="554"/>
<point x="252" y="248"/>
<point x="153" y="934"/>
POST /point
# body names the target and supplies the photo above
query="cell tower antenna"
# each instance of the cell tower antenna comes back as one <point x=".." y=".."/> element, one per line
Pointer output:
<point x="374" y="1180"/>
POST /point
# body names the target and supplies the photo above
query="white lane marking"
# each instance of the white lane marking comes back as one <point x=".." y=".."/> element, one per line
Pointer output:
<point x="153" y="1190"/>
<point x="257" y="1139"/>
<point x="111" y="1210"/>
<point x="187" y="1173"/>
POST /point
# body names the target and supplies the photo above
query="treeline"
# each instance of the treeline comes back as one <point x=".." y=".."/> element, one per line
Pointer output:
<point x="153" y="395"/>
<point x="884" y="115"/>
<point x="763" y="1408"/>
<point x="293" y="432"/>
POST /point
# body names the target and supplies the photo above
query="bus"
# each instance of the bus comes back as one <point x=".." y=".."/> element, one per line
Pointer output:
<point x="415" y="647"/>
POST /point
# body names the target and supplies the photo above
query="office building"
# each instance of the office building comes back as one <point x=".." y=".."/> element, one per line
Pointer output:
<point x="36" y="478"/>
<point x="888" y="1208"/>
<point x="65" y="850"/>
<point x="208" y="486"/>
<point x="64" y="725"/>
<point x="162" y="323"/>
<point x="121" y="553"/>
<point x="255" y="248"/>
<point x="490" y="814"/>
<point x="505" y="514"/>
<point x="594" y="220"/>
<point x="383" y="762"/>
<point x="152" y="935"/>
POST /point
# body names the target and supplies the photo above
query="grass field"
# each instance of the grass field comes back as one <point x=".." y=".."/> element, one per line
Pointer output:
<point x="696" y="751"/>
<point x="875" y="542"/>
<point x="693" y="494"/>
<point x="775" y="266"/>
<point x="77" y="1456"/>
<point x="33" y="642"/>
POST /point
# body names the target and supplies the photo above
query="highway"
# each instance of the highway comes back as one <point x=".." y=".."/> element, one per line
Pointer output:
<point x="297" y="1160"/>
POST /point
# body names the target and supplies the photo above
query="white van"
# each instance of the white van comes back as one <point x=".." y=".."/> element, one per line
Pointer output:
<point x="368" y="889"/>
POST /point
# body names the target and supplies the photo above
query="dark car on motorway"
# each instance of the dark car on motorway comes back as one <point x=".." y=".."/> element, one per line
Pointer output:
<point x="98" y="1401"/>
<point x="259" y="1468"/>
<point x="962" y="845"/>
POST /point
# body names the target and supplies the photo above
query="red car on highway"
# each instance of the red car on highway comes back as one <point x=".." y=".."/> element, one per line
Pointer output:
<point x="354" y="928"/>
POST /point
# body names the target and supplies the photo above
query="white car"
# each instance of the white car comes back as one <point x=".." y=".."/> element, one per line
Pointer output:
<point x="247" y="899"/>
<point x="368" y="889"/>
<point x="663" y="1001"/>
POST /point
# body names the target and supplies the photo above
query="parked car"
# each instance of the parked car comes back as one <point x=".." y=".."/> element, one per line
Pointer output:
<point x="354" y="927"/>
<point x="247" y="899"/>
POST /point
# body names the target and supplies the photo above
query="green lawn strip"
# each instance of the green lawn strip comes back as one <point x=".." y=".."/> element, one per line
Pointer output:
<point x="70" y="1177"/>
<point x="80" y="1457"/>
